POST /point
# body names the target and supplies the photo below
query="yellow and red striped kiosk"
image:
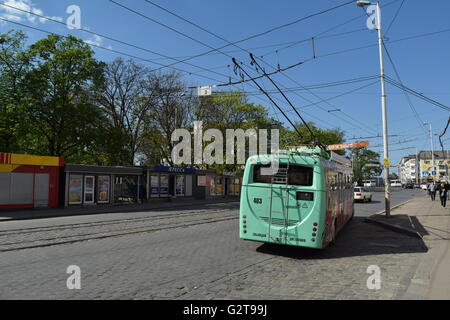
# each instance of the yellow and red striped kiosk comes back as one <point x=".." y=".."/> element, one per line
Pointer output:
<point x="28" y="181"/>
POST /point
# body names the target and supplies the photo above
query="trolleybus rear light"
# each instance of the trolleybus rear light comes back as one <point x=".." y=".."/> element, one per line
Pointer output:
<point x="315" y="224"/>
<point x="314" y="229"/>
<point x="245" y="231"/>
<point x="313" y="234"/>
<point x="313" y="240"/>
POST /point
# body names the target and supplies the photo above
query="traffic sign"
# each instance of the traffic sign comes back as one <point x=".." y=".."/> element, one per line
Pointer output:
<point x="372" y="165"/>
<point x="387" y="162"/>
<point x="204" y="91"/>
<point x="425" y="174"/>
<point x="433" y="173"/>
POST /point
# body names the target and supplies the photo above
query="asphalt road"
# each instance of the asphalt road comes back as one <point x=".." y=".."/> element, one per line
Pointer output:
<point x="398" y="196"/>
<point x="197" y="254"/>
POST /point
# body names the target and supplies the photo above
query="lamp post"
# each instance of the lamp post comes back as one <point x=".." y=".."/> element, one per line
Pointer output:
<point x="387" y="191"/>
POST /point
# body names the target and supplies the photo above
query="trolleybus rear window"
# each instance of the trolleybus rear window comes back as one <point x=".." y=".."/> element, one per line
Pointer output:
<point x="297" y="175"/>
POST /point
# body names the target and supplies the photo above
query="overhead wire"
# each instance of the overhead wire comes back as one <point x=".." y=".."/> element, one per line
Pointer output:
<point x="228" y="42"/>
<point x="242" y="40"/>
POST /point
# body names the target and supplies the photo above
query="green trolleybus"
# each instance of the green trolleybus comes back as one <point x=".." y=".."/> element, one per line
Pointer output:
<point x="306" y="202"/>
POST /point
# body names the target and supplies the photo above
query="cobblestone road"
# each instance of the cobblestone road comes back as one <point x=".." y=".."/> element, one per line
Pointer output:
<point x="202" y="261"/>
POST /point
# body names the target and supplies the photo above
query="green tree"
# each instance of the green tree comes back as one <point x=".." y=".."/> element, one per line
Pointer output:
<point x="290" y="137"/>
<point x="63" y="119"/>
<point x="361" y="158"/>
<point x="14" y="65"/>
<point x="232" y="110"/>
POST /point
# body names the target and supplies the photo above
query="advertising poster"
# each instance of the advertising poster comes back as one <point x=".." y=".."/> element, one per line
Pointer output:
<point x="201" y="181"/>
<point x="212" y="187"/>
<point x="219" y="186"/>
<point x="103" y="189"/>
<point x="179" y="190"/>
<point x="164" y="186"/>
<point x="154" y="186"/>
<point x="75" y="189"/>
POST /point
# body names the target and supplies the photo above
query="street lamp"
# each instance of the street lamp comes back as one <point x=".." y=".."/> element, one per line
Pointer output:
<point x="387" y="192"/>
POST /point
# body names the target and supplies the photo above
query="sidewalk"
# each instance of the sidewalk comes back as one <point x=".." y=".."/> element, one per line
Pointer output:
<point x="427" y="220"/>
<point x="40" y="213"/>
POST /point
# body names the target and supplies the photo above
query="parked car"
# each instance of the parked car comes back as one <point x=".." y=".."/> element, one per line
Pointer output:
<point x="409" y="185"/>
<point x="362" y="194"/>
<point x="396" y="183"/>
<point x="424" y="186"/>
<point x="369" y="183"/>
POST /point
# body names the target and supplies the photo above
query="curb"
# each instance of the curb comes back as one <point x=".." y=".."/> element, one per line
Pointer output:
<point x="420" y="282"/>
<point x="406" y="231"/>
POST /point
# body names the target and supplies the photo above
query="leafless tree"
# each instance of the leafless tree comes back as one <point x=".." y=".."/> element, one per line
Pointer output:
<point x="127" y="100"/>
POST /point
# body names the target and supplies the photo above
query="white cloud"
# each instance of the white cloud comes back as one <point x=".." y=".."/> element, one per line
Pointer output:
<point x="21" y="16"/>
<point x="95" y="40"/>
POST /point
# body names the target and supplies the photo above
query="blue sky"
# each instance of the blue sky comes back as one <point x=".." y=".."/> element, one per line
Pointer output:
<point x="423" y="63"/>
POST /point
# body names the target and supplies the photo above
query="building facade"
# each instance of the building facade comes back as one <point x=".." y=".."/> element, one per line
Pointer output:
<point x="28" y="181"/>
<point x="421" y="167"/>
<point x="407" y="170"/>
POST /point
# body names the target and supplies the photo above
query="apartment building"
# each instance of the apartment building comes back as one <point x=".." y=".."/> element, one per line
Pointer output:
<point x="421" y="167"/>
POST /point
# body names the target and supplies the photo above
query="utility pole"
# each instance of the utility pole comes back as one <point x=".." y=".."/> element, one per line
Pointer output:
<point x="433" y="168"/>
<point x="387" y="191"/>
<point x="417" y="167"/>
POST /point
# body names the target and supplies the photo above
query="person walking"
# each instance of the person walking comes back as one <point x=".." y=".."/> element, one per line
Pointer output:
<point x="443" y="191"/>
<point x="433" y="189"/>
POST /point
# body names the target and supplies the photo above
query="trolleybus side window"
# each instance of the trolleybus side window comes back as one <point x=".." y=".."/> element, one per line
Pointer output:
<point x="297" y="175"/>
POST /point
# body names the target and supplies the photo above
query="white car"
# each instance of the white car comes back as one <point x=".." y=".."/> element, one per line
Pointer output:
<point x="424" y="186"/>
<point x="369" y="184"/>
<point x="362" y="194"/>
<point x="396" y="183"/>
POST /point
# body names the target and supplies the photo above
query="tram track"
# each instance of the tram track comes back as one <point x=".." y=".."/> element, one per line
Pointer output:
<point x="59" y="239"/>
<point x="107" y="222"/>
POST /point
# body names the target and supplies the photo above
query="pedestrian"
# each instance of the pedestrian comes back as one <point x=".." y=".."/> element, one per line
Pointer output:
<point x="433" y="189"/>
<point x="443" y="191"/>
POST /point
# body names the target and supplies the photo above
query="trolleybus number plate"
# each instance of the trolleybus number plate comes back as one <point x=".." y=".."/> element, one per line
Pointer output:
<point x="257" y="200"/>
